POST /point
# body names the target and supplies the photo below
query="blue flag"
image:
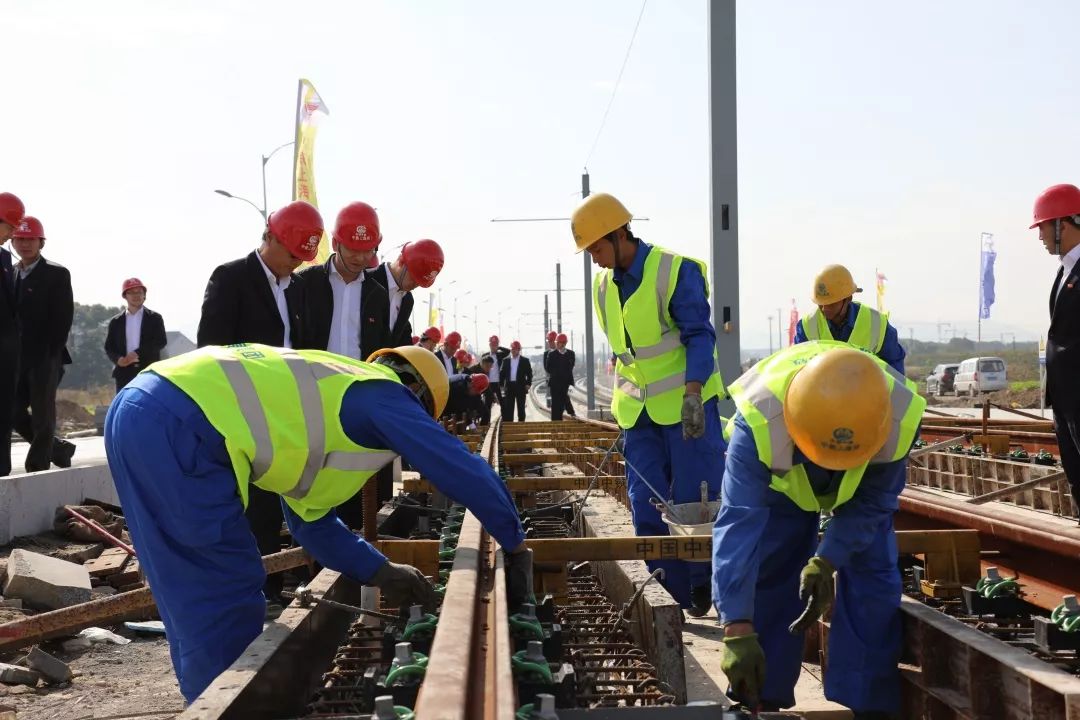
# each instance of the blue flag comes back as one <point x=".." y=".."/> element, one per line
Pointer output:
<point x="986" y="276"/>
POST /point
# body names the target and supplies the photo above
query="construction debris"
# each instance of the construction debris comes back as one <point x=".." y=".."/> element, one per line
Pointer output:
<point x="45" y="582"/>
<point x="54" y="671"/>
<point x="15" y="675"/>
<point x="67" y="525"/>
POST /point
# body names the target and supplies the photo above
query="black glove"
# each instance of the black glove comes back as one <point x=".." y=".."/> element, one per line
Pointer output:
<point x="404" y="585"/>
<point x="519" y="578"/>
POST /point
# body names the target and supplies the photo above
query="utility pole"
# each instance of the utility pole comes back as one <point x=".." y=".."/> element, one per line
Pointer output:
<point x="779" y="331"/>
<point x="770" y="335"/>
<point x="547" y="320"/>
<point x="590" y="357"/>
<point x="558" y="297"/>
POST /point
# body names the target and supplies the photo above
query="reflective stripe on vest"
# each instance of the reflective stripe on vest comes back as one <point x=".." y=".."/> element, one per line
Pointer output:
<point x="758" y="397"/>
<point x="868" y="333"/>
<point x="654" y="363"/>
<point x="326" y="448"/>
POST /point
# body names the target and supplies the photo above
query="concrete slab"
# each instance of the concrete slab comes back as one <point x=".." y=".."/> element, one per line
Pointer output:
<point x="54" y="670"/>
<point x="15" y="675"/>
<point x="28" y="501"/>
<point x="45" y="582"/>
<point x="88" y="451"/>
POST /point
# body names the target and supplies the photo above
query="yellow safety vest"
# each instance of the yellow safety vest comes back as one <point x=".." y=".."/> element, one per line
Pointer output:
<point x="759" y="396"/>
<point x="278" y="411"/>
<point x="652" y="376"/>
<point x="868" y="333"/>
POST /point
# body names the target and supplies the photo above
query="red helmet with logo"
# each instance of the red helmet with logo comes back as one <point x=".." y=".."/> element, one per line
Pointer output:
<point x="11" y="209"/>
<point x="299" y="227"/>
<point x="494" y="339"/>
<point x="130" y="284"/>
<point x="479" y="382"/>
<point x="432" y="334"/>
<point x="453" y="339"/>
<point x="461" y="355"/>
<point x="515" y="345"/>
<point x="415" y="339"/>
<point x="1055" y="203"/>
<point x="29" y="228"/>
<point x="423" y="259"/>
<point x="561" y="338"/>
<point x="357" y="227"/>
<point x="552" y="335"/>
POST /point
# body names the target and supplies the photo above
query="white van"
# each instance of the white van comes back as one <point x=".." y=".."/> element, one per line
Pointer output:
<point x="980" y="375"/>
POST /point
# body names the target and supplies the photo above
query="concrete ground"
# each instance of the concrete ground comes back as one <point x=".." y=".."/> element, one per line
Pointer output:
<point x="88" y="451"/>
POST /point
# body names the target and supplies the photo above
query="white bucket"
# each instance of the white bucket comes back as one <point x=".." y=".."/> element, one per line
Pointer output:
<point x="700" y="519"/>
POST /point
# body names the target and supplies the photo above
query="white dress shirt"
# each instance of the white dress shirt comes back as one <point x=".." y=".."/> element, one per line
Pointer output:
<point x="447" y="360"/>
<point x="1068" y="262"/>
<point x="278" y="287"/>
<point x="24" y="271"/>
<point x="133" y="329"/>
<point x="396" y="295"/>
<point x="514" y="367"/>
<point x="345" y="322"/>
<point x="493" y="373"/>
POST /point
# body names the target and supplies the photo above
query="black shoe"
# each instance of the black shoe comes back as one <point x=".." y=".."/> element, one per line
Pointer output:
<point x="700" y="600"/>
<point x="62" y="452"/>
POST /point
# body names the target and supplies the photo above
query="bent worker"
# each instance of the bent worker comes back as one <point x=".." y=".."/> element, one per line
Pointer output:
<point x="187" y="436"/>
<point x="838" y="317"/>
<point x="653" y="305"/>
<point x="819" y="426"/>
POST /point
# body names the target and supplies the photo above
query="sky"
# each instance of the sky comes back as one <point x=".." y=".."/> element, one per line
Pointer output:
<point x="880" y="137"/>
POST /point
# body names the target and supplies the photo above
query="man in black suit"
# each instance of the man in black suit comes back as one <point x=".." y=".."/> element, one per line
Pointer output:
<point x="447" y="354"/>
<point x="516" y="378"/>
<point x="45" y="310"/>
<point x="496" y="353"/>
<point x="11" y="215"/>
<point x="346" y="310"/>
<point x="136" y="335"/>
<point x="258" y="299"/>
<point x="559" y="364"/>
<point x="417" y="265"/>
<point x="1057" y="215"/>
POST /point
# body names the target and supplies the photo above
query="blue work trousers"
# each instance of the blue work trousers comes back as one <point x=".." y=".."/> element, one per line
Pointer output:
<point x="865" y="634"/>
<point x="183" y="509"/>
<point x="676" y="468"/>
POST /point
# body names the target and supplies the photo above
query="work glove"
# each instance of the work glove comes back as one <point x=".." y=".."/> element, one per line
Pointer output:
<point x="816" y="590"/>
<point x="404" y="585"/>
<point x="743" y="662"/>
<point x="693" y="417"/>
<point x="519" y="578"/>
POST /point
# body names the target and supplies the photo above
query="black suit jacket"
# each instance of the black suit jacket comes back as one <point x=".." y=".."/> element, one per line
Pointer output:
<point x="524" y="372"/>
<point x="441" y="354"/>
<point x="318" y="310"/>
<point x="45" y="310"/>
<point x="9" y="318"/>
<point x="1063" y="346"/>
<point x="151" y="340"/>
<point x="560" y="367"/>
<point x="401" y="333"/>
<point x="238" y="307"/>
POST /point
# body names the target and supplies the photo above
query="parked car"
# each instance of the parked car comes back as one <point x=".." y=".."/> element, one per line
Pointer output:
<point x="980" y="375"/>
<point x="941" y="380"/>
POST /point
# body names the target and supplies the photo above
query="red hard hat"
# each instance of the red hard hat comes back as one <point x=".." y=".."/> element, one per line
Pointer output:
<point x="30" y="227"/>
<point x="479" y="382"/>
<point x="461" y="355"/>
<point x="494" y="339"/>
<point x="453" y="338"/>
<point x="552" y="335"/>
<point x="132" y="283"/>
<point x="11" y="209"/>
<point x="515" y="345"/>
<point x="299" y="227"/>
<point x="561" y="338"/>
<point x="415" y="339"/>
<point x="357" y="227"/>
<point x="423" y="259"/>
<point x="433" y="334"/>
<point x="1056" y="202"/>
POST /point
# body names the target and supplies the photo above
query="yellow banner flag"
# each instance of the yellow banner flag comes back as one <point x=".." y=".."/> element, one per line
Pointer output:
<point x="881" y="280"/>
<point x="309" y="110"/>
<point x="433" y="311"/>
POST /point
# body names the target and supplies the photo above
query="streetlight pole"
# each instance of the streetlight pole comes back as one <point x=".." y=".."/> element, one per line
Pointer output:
<point x="779" y="332"/>
<point x="770" y="335"/>
<point x="264" y="209"/>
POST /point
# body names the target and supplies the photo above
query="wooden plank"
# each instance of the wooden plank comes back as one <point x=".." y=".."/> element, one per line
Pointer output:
<point x="128" y="575"/>
<point x="108" y="563"/>
<point x="421" y="554"/>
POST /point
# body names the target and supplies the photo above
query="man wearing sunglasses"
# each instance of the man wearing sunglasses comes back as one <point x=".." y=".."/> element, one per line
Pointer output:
<point x="189" y="438"/>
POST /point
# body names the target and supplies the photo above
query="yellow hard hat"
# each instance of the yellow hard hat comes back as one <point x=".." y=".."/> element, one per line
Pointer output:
<point x="837" y="409"/>
<point x="595" y="217"/>
<point x="427" y="366"/>
<point x="833" y="284"/>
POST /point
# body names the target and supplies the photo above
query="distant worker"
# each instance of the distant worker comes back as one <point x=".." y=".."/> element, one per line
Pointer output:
<point x="346" y="311"/>
<point x="451" y="344"/>
<point x="517" y="377"/>
<point x="430" y="339"/>
<point x="46" y="310"/>
<point x="1057" y="216"/>
<point x="11" y="215"/>
<point x="559" y="364"/>
<point x="488" y="366"/>
<point x="819" y="426"/>
<point x="840" y="318"/>
<point x="189" y="438"/>
<point x="466" y="402"/>
<point x="417" y="265"/>
<point x="259" y="299"/>
<point x="653" y="305"/>
<point x="136" y="335"/>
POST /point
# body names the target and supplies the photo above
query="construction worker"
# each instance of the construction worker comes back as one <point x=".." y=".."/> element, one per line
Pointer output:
<point x="430" y="339"/>
<point x="559" y="363"/>
<point x="465" y="400"/>
<point x="417" y="265"/>
<point x="838" y="317"/>
<point x="188" y="437"/>
<point x="451" y="344"/>
<point x="666" y="391"/>
<point x="11" y="216"/>
<point x="819" y="426"/>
